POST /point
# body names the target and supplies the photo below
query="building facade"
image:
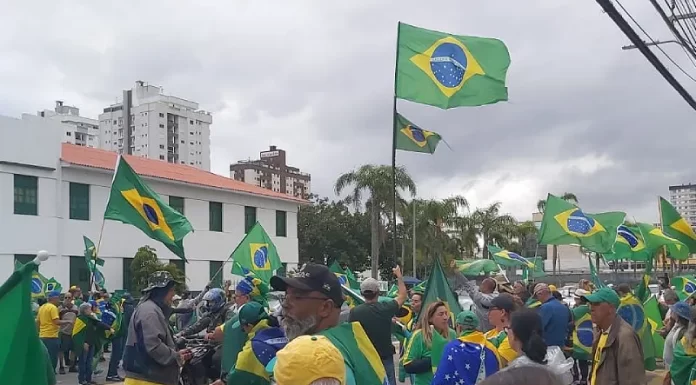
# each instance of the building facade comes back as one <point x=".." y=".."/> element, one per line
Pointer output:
<point x="78" y="129"/>
<point x="54" y="194"/>
<point x="149" y="124"/>
<point x="271" y="172"/>
<point x="683" y="198"/>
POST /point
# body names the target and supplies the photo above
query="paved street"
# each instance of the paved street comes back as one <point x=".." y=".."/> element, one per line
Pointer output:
<point x="71" y="378"/>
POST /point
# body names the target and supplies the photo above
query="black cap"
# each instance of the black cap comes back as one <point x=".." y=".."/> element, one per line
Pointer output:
<point x="503" y="302"/>
<point x="312" y="277"/>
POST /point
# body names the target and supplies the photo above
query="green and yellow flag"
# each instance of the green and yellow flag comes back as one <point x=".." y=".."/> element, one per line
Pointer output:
<point x="656" y="238"/>
<point x="410" y="137"/>
<point x="675" y="226"/>
<point x="343" y="276"/>
<point x="507" y="258"/>
<point x="39" y="283"/>
<point x="448" y="71"/>
<point x="438" y="289"/>
<point x="257" y="254"/>
<point x="476" y="267"/>
<point x="92" y="262"/>
<point x="685" y="286"/>
<point x="632" y="311"/>
<point x="133" y="202"/>
<point x="565" y="224"/>
<point x="629" y="245"/>
<point x="23" y="357"/>
<point x="683" y="367"/>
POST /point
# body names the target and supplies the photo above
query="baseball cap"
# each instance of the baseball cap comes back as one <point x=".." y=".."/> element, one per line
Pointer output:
<point x="552" y="288"/>
<point x="579" y="293"/>
<point x="604" y="294"/>
<point x="682" y="309"/>
<point x="53" y="294"/>
<point x="312" y="277"/>
<point x="252" y="313"/>
<point x="468" y="318"/>
<point x="370" y="285"/>
<point x="307" y="359"/>
<point x="503" y="302"/>
<point x="540" y="287"/>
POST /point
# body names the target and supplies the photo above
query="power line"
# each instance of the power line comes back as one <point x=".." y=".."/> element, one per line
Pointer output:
<point x="653" y="41"/>
<point x="687" y="46"/>
<point x="636" y="40"/>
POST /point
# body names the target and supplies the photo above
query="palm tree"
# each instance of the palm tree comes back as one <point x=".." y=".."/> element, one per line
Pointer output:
<point x="377" y="181"/>
<point x="465" y="233"/>
<point x="494" y="227"/>
<point x="541" y="205"/>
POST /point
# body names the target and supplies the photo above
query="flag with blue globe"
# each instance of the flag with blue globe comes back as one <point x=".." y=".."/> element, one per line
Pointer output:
<point x="257" y="254"/>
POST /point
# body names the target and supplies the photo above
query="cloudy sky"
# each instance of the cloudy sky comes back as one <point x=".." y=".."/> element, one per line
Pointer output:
<point x="316" y="78"/>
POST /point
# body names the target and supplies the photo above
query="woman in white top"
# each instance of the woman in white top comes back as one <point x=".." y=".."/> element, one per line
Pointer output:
<point x="680" y="313"/>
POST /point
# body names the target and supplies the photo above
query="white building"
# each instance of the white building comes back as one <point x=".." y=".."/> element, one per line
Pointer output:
<point x="149" y="124"/>
<point x="51" y="194"/>
<point x="683" y="198"/>
<point x="78" y="129"/>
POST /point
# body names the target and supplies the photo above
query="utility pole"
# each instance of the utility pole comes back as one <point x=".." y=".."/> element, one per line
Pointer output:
<point x="672" y="28"/>
<point x="651" y="43"/>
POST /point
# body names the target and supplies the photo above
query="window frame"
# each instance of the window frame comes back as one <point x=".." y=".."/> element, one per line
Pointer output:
<point x="248" y="223"/>
<point x="284" y="215"/>
<point x="25" y="184"/>
<point x="212" y="222"/>
<point x="78" y="208"/>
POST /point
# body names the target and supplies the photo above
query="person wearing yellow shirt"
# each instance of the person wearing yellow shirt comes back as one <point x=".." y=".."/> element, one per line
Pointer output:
<point x="48" y="321"/>
<point x="499" y="314"/>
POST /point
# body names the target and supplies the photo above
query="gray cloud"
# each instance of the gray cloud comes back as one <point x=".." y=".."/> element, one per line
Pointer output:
<point x="316" y="78"/>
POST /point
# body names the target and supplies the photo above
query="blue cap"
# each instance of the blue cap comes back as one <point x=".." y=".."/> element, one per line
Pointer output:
<point x="53" y="294"/>
<point x="682" y="309"/>
<point x="244" y="287"/>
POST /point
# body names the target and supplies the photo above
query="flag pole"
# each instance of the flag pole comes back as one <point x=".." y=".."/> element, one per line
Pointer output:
<point x="101" y="232"/>
<point x="664" y="247"/>
<point x="393" y="154"/>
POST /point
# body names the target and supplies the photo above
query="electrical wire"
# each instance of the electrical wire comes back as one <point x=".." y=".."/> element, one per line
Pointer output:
<point x="679" y="36"/>
<point x="654" y="43"/>
<point x="684" y="24"/>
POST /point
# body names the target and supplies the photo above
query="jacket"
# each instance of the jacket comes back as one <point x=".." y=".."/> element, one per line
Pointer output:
<point x="481" y="300"/>
<point x="621" y="360"/>
<point x="150" y="353"/>
<point x="209" y="321"/>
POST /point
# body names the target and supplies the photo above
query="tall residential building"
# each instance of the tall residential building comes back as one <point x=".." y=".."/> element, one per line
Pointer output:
<point x="271" y="171"/>
<point x="149" y="124"/>
<point x="683" y="198"/>
<point x="77" y="129"/>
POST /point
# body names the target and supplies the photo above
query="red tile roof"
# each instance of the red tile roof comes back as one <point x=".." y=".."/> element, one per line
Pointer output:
<point x="102" y="159"/>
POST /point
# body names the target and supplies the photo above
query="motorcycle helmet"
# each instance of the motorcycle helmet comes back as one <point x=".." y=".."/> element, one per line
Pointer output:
<point x="214" y="300"/>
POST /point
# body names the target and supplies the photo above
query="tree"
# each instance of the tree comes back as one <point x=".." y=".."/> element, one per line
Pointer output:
<point x="541" y="205"/>
<point x="145" y="263"/>
<point x="493" y="227"/>
<point x="329" y="231"/>
<point x="375" y="180"/>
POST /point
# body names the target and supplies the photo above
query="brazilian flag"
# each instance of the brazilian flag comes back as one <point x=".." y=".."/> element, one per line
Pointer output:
<point x="257" y="254"/>
<point x="565" y="224"/>
<point x="133" y="202"/>
<point x="410" y="137"/>
<point x="685" y="286"/>
<point x="446" y="71"/>
<point x="358" y="352"/>
<point x="343" y="275"/>
<point x="676" y="226"/>
<point x="38" y="282"/>
<point x="683" y="368"/>
<point x="583" y="334"/>
<point x="629" y="245"/>
<point x="632" y="311"/>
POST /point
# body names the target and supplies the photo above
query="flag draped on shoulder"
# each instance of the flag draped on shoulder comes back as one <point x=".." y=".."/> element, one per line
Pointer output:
<point x="683" y="367"/>
<point x="23" y="357"/>
<point x="133" y="202"/>
<point x="566" y="224"/>
<point x="410" y="137"/>
<point x="257" y="254"/>
<point x="358" y="352"/>
<point x="473" y="358"/>
<point x="446" y="71"/>
<point x="676" y="226"/>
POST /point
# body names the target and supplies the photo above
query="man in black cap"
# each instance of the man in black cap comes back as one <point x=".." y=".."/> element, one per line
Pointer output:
<point x="312" y="303"/>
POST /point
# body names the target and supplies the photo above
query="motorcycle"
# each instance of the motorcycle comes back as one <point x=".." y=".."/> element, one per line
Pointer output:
<point x="202" y="368"/>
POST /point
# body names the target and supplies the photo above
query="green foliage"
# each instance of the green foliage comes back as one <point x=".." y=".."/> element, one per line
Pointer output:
<point x="145" y="263"/>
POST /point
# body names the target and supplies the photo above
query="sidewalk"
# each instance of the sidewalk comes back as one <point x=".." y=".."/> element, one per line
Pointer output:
<point x="71" y="378"/>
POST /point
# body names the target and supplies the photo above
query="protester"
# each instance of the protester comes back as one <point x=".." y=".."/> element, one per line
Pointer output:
<point x="617" y="352"/>
<point x="520" y="290"/>
<point x="525" y="335"/>
<point x="681" y="315"/>
<point x="312" y="305"/>
<point x="669" y="297"/>
<point x="376" y="318"/>
<point x="119" y="340"/>
<point x="523" y="375"/>
<point x="49" y="322"/>
<point x="87" y="344"/>
<point x="555" y="316"/>
<point x="187" y="307"/>
<point x="582" y="364"/>
<point x="473" y="357"/>
<point x="417" y="357"/>
<point x="266" y="340"/>
<point x="416" y="304"/>
<point x="502" y="308"/>
<point x="310" y="360"/>
<point x="481" y="296"/>
<point x="151" y="356"/>
<point x="68" y="312"/>
<point x="216" y="311"/>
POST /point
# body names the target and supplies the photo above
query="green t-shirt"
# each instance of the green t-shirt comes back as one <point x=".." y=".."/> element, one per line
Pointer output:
<point x="376" y="319"/>
<point x="416" y="349"/>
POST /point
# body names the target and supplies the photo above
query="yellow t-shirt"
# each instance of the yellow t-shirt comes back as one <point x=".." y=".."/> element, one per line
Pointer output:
<point x="598" y="354"/>
<point x="47" y="313"/>
<point x="131" y="381"/>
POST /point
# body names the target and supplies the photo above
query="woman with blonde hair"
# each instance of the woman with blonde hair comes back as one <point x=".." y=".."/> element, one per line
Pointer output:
<point x="433" y="326"/>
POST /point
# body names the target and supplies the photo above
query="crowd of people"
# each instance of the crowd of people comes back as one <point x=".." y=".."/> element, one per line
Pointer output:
<point x="514" y="334"/>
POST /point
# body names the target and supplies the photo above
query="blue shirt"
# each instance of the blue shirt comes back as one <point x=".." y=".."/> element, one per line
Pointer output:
<point x="555" y="318"/>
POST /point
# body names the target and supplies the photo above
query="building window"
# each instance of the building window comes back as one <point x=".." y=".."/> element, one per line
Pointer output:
<point x="191" y="121"/>
<point x="127" y="274"/>
<point x="177" y="203"/>
<point x="180" y="264"/>
<point x="26" y="191"/>
<point x="215" y="209"/>
<point x="161" y="125"/>
<point x="161" y="146"/>
<point x="68" y="133"/>
<point x="79" y="201"/>
<point x="79" y="273"/>
<point x="215" y="273"/>
<point x="249" y="218"/>
<point x="24" y="258"/>
<point x="161" y="115"/>
<point x="281" y="223"/>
